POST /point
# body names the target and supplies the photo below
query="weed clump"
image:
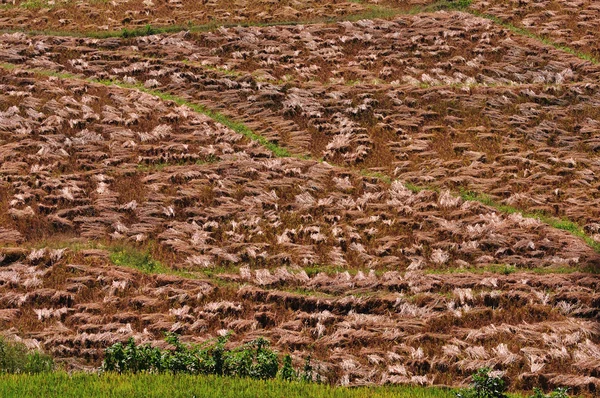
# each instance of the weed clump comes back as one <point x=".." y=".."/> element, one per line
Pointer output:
<point x="15" y="357"/>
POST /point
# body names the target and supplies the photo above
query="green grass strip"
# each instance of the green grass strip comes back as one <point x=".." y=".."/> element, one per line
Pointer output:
<point x="77" y="385"/>
<point x="443" y="5"/>
<point x="506" y="269"/>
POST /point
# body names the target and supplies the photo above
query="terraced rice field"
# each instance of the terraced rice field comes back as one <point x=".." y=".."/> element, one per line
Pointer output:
<point x="405" y="198"/>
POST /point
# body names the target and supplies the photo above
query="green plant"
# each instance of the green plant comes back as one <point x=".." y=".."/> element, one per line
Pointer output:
<point x="560" y="392"/>
<point x="287" y="370"/>
<point x="266" y="362"/>
<point x="484" y="386"/>
<point x="15" y="357"/>
<point x="94" y="385"/>
<point x="307" y="372"/>
<point x="254" y="359"/>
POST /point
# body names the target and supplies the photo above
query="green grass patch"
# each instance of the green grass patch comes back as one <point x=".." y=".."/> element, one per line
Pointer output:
<point x="329" y="270"/>
<point x="110" y="385"/>
<point x="214" y="272"/>
<point x="142" y="260"/>
<point x="414" y="188"/>
<point x="35" y="4"/>
<point x="8" y="66"/>
<point x="132" y="258"/>
<point x="443" y="5"/>
<point x="147" y="30"/>
<point x="226" y="72"/>
<point x="42" y="72"/>
<point x="122" y="255"/>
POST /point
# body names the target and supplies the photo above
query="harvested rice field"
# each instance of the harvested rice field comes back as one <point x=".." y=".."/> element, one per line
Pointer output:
<point x="403" y="191"/>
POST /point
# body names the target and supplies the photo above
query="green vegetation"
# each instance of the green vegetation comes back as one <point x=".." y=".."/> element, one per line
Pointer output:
<point x="35" y="4"/>
<point x="179" y="385"/>
<point x="8" y="66"/>
<point x="226" y="72"/>
<point x="142" y="260"/>
<point x="560" y="392"/>
<point x="415" y="188"/>
<point x="503" y="269"/>
<point x="447" y="5"/>
<point x="131" y="258"/>
<point x="484" y="386"/>
<point x="15" y="357"/>
<point x="254" y="359"/>
<point x="111" y="385"/>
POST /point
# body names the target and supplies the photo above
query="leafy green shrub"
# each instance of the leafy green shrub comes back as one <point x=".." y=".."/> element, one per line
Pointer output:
<point x="484" y="386"/>
<point x="254" y="359"/>
<point x="560" y="392"/>
<point x="130" y="358"/>
<point x="17" y="358"/>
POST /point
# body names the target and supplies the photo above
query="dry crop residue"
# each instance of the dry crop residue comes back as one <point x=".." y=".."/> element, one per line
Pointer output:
<point x="465" y="105"/>
<point x="568" y="23"/>
<point x="330" y="252"/>
<point x="111" y="16"/>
